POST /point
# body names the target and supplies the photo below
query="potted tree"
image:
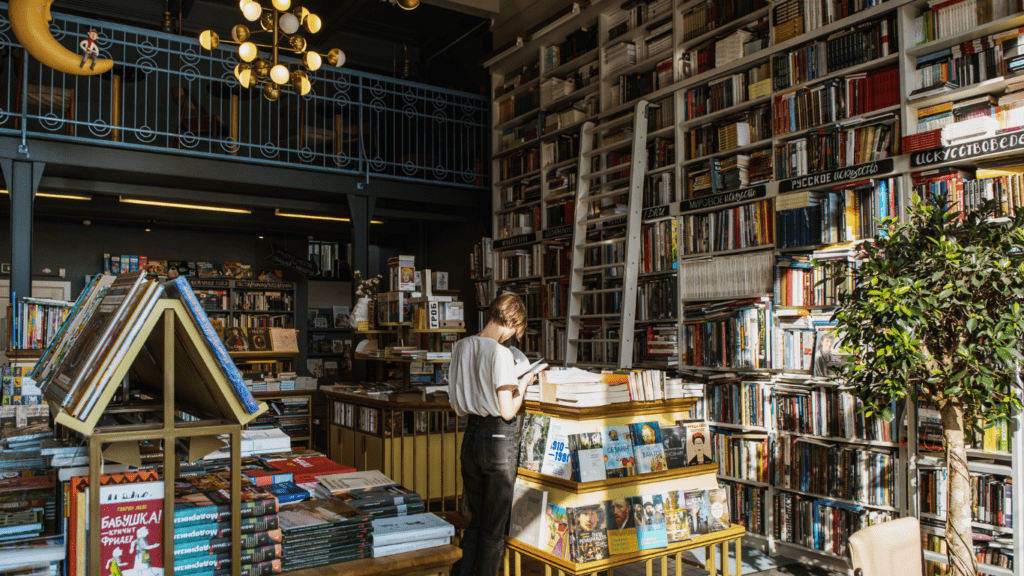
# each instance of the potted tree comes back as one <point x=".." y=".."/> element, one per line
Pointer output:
<point x="935" y="315"/>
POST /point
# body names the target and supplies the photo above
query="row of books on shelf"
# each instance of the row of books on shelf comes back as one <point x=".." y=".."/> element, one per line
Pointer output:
<point x="518" y="163"/>
<point x="561" y="149"/>
<point x="988" y="549"/>
<point x="967" y="63"/>
<point x="833" y="100"/>
<point x="523" y="221"/>
<point x="281" y="382"/>
<point x="327" y="257"/>
<point x="747" y="226"/>
<point x="256" y="339"/>
<point x="821" y="523"/>
<point x="708" y="16"/>
<point x="716" y="176"/>
<point x="727" y="92"/>
<point x="657" y="344"/>
<point x="517" y="77"/>
<point x="633" y="86"/>
<point x="119" y="264"/>
<point x="552" y="447"/>
<point x="943" y="19"/>
<point x="730" y="47"/>
<point x="633" y="15"/>
<point x="517" y="263"/>
<point x="621" y="526"/>
<point x="571" y="113"/>
<point x="32" y="323"/>
<point x="834" y="147"/>
<point x="991" y="496"/>
<point x="578" y="388"/>
<point x="966" y="194"/>
<point x="826" y="411"/>
<point x="865" y="476"/>
<point x="815" y="218"/>
<point x="576" y="44"/>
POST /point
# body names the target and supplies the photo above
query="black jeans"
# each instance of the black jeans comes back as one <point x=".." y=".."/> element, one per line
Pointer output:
<point x="490" y="450"/>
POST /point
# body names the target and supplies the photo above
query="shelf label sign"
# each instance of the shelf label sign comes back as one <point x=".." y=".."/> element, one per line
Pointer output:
<point x="996" y="144"/>
<point x="515" y="240"/>
<point x="557" y="231"/>
<point x="614" y="222"/>
<point x="203" y="283"/>
<point x="726" y="198"/>
<point x="291" y="261"/>
<point x="655" y="212"/>
<point x="858" y="172"/>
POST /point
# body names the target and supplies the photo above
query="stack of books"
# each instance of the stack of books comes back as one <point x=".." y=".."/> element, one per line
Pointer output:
<point x="324" y="532"/>
<point x="735" y="172"/>
<point x="409" y="533"/>
<point x="621" y="55"/>
<point x="371" y="492"/>
<point x="730" y="48"/>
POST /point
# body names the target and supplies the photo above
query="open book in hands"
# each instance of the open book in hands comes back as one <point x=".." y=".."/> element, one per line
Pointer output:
<point x="523" y="368"/>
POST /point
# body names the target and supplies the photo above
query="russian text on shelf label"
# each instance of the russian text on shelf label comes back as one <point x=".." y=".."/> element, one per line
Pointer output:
<point x="858" y="172"/>
<point x="722" y="199"/>
<point x="515" y="240"/>
<point x="1002" y="143"/>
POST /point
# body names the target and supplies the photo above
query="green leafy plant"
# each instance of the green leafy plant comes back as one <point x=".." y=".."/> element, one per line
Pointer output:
<point x="935" y="316"/>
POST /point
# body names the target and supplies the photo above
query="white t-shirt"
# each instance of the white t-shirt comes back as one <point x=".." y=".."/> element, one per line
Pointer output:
<point x="480" y="367"/>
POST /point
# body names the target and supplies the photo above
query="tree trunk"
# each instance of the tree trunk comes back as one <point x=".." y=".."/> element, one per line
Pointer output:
<point x="959" y="543"/>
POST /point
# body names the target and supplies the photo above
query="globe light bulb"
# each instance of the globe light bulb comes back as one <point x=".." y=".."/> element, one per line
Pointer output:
<point x="246" y="78"/>
<point x="313" y="23"/>
<point x="261" y="68"/>
<point x="312" y="61"/>
<point x="247" y="51"/>
<point x="279" y="74"/>
<point x="300" y="13"/>
<point x="239" y="68"/>
<point x="252" y="11"/>
<point x="271" y="91"/>
<point x="298" y="43"/>
<point x="289" y="23"/>
<point x="209" y="39"/>
<point x="239" y="33"/>
<point x="300" y="82"/>
<point x="282" y="5"/>
<point x="336" y="57"/>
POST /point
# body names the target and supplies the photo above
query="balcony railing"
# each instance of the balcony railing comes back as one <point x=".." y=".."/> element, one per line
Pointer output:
<point x="167" y="94"/>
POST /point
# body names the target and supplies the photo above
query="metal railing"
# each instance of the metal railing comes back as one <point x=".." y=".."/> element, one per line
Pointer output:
<point x="167" y="94"/>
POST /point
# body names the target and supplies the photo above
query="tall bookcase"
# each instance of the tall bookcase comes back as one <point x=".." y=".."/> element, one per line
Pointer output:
<point x="734" y="63"/>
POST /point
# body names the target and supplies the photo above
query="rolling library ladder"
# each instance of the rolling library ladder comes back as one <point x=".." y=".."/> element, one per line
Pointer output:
<point x="594" y="254"/>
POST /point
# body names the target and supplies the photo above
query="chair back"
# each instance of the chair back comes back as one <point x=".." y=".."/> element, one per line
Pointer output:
<point x="888" y="549"/>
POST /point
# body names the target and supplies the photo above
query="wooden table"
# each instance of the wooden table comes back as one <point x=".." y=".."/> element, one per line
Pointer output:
<point x="563" y="567"/>
<point x="430" y="562"/>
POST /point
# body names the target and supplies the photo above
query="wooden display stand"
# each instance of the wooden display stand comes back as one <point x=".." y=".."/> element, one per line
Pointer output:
<point x="426" y="462"/>
<point x="571" y="494"/>
<point x="430" y="562"/>
<point x="181" y="369"/>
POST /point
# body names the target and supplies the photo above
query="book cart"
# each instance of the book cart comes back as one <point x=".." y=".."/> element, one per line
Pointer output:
<point x="180" y="370"/>
<point x="570" y="494"/>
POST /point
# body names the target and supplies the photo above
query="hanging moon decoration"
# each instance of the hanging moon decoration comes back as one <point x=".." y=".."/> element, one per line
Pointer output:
<point x="30" y="20"/>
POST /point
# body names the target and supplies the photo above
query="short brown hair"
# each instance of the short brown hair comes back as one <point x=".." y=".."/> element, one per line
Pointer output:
<point x="507" y="310"/>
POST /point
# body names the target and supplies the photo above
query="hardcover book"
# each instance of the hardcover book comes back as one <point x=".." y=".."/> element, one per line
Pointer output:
<point x="259" y="339"/>
<point x="311" y="516"/>
<point x="673" y="442"/>
<point x="677" y="522"/>
<point x="531" y="447"/>
<point x="649" y="513"/>
<point x="288" y="492"/>
<point x="380" y="496"/>
<point x="621" y="527"/>
<point x="590" y="524"/>
<point x="556" y="454"/>
<point x="558" y="525"/>
<point x="699" y="508"/>
<point x="131" y="528"/>
<point x="618" y="451"/>
<point x="389" y="531"/>
<point x="352" y="482"/>
<point x="699" y="445"/>
<point x="381" y="551"/>
<point x="718" y="501"/>
<point x="647" y="448"/>
<point x="588" y="457"/>
<point x="527" y="519"/>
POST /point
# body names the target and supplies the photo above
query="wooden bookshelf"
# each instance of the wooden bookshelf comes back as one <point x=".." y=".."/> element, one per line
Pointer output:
<point x="614" y="483"/>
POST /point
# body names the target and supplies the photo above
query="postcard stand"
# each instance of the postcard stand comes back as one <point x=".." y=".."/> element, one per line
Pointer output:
<point x="570" y="494"/>
<point x="180" y="368"/>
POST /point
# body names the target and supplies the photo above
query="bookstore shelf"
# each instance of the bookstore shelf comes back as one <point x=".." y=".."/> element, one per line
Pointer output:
<point x="571" y="128"/>
<point x="640" y="65"/>
<point x="874" y="443"/>
<point x="532" y="143"/>
<point x="404" y="360"/>
<point x="876" y="63"/>
<point x="523" y="176"/>
<point x="766" y="142"/>
<point x="660" y="169"/>
<point x="697" y="256"/>
<point x="572" y="97"/>
<point x="712" y="116"/>
<point x="813" y="556"/>
<point x="632" y="103"/>
<point x="990" y="86"/>
<point x="653" y="274"/>
<point x="561" y="164"/>
<point x="738" y="64"/>
<point x="623" y="482"/>
<point x="974" y="453"/>
<point x="610" y="410"/>
<point x="825" y="31"/>
<point x="983" y="568"/>
<point x="627" y="143"/>
<point x="840" y="500"/>
<point x="1007" y="23"/>
<point x="520" y="278"/>
<point x="661" y="132"/>
<point x="743" y="481"/>
<point x="519" y="120"/>
<point x="743" y="427"/>
<point x="575" y="63"/>
<point x="518" y="90"/>
<point x="519" y="207"/>
<point x="734" y="24"/>
<point x="373" y="331"/>
<point x="982" y="525"/>
<point x="867" y="117"/>
<point x="437" y="330"/>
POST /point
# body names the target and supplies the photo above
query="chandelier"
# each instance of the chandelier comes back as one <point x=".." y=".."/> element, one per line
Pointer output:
<point x="282" y="22"/>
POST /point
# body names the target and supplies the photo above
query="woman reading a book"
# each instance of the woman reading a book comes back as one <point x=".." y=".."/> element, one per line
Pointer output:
<point x="484" y="387"/>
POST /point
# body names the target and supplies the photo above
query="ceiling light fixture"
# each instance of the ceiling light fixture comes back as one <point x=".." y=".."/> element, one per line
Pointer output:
<point x="61" y="196"/>
<point x="283" y="22"/>
<point x="315" y="217"/>
<point x="186" y="206"/>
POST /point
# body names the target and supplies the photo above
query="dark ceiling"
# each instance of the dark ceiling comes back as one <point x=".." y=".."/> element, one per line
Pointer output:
<point x="443" y="47"/>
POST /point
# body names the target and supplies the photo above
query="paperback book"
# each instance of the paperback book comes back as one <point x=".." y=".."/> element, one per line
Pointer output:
<point x="647" y="447"/>
<point x="587" y="457"/>
<point x="590" y="527"/>
<point x="698" y="444"/>
<point x="534" y="441"/>
<point x="527" y="519"/>
<point x="673" y="441"/>
<point x="558" y="526"/>
<point x="622" y="538"/>
<point x="618" y="451"/>
<point x="677" y="522"/>
<point x="649" y="512"/>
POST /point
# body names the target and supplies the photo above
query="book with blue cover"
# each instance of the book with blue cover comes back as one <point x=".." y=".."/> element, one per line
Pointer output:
<point x="649" y="512"/>
<point x="618" y="451"/>
<point x="179" y="288"/>
<point x="288" y="492"/>
<point x="647" y="448"/>
<point x="390" y="531"/>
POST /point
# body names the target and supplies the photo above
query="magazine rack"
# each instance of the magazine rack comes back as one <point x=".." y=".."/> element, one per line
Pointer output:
<point x="179" y="367"/>
<point x="571" y="494"/>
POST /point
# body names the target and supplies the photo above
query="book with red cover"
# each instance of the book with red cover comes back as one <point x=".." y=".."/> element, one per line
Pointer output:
<point x="131" y="528"/>
<point x="307" y="469"/>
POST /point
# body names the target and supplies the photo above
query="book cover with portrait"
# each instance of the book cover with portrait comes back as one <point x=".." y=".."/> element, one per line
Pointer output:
<point x="647" y="447"/>
<point x="590" y="525"/>
<point x="618" y="451"/>
<point x="621" y="527"/>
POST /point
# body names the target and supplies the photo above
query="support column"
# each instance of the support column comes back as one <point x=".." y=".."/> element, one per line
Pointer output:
<point x="360" y="210"/>
<point x="22" y="181"/>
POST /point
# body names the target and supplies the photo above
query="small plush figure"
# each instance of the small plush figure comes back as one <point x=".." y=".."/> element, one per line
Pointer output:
<point x="91" y="50"/>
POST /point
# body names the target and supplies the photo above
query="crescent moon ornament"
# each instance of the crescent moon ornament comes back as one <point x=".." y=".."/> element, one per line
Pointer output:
<point x="30" y="20"/>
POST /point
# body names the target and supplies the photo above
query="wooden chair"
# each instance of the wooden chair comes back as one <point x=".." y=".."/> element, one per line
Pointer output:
<point x="192" y="117"/>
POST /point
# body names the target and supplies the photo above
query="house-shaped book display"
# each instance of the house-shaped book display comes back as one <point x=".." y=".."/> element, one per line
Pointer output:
<point x="125" y="330"/>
